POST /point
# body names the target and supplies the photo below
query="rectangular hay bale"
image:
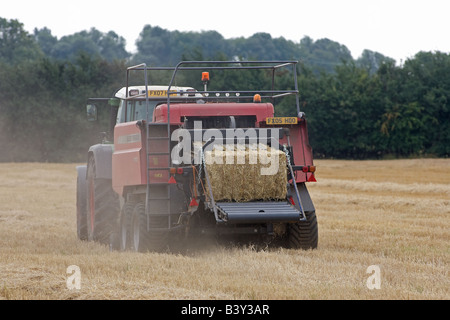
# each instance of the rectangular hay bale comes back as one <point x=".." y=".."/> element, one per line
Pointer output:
<point x="241" y="172"/>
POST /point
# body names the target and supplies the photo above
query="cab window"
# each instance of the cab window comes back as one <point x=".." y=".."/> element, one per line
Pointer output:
<point x="135" y="110"/>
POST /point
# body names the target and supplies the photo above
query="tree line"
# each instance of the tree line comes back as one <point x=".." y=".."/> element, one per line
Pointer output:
<point x="362" y="108"/>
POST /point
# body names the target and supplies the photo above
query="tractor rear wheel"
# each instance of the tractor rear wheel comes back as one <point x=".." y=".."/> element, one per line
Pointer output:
<point x="102" y="207"/>
<point x="304" y="234"/>
<point x="81" y="203"/>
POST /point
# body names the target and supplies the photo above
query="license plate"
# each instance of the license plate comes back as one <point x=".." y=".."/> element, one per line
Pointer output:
<point x="282" y="120"/>
<point x="160" y="93"/>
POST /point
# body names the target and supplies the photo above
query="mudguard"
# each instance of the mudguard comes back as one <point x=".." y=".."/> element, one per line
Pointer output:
<point x="102" y="154"/>
<point x="305" y="198"/>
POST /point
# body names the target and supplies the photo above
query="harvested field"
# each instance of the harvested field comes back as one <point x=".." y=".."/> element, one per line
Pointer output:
<point x="394" y="214"/>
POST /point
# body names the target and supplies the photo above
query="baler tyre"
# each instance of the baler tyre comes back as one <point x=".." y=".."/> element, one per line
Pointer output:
<point x="144" y="240"/>
<point x="81" y="203"/>
<point x="125" y="242"/>
<point x="138" y="228"/>
<point x="304" y="234"/>
<point x="102" y="207"/>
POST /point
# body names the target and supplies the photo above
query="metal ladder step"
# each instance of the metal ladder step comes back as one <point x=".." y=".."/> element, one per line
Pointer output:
<point x="158" y="153"/>
<point x="154" y="124"/>
<point x="158" y="133"/>
<point x="158" y="138"/>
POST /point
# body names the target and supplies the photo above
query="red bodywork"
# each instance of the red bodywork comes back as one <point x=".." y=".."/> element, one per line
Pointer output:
<point x="179" y="111"/>
<point x="129" y="165"/>
<point x="128" y="159"/>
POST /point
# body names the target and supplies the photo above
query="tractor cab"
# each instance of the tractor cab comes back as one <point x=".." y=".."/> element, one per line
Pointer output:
<point x="135" y="106"/>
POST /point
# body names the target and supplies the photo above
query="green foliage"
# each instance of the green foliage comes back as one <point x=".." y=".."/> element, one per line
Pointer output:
<point x="323" y="55"/>
<point x="342" y="113"/>
<point x="402" y="111"/>
<point x="43" y="107"/>
<point x="16" y="45"/>
<point x="109" y="46"/>
<point x="371" y="61"/>
<point x="160" y="47"/>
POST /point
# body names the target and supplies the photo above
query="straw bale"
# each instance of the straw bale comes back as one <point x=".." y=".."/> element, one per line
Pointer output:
<point x="236" y="172"/>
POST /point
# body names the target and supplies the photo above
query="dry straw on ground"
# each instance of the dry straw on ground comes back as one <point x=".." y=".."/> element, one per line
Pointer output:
<point x="394" y="214"/>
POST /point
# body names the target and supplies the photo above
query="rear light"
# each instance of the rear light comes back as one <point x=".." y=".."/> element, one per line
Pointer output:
<point x="176" y="170"/>
<point x="306" y="169"/>
<point x="312" y="178"/>
<point x="172" y="180"/>
<point x="193" y="203"/>
<point x="291" y="200"/>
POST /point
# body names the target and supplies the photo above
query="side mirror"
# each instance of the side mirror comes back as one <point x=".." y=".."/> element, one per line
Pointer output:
<point x="91" y="110"/>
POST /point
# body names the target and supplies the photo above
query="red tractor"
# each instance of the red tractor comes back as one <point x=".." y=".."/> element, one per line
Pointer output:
<point x="185" y="163"/>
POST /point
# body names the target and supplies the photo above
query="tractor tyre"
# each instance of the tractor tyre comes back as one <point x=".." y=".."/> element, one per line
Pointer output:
<point x="304" y="234"/>
<point x="148" y="240"/>
<point x="81" y="203"/>
<point x="102" y="207"/>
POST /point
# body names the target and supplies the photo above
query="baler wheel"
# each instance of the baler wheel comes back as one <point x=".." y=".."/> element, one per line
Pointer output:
<point x="139" y="234"/>
<point x="155" y="239"/>
<point x="304" y="234"/>
<point x="125" y="241"/>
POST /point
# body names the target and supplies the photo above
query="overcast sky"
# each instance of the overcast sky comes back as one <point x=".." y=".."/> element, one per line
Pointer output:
<point x="396" y="28"/>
